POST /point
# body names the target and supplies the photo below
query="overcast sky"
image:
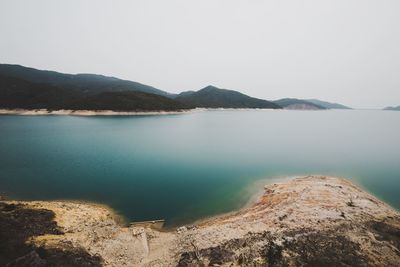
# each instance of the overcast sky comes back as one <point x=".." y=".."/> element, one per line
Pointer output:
<point x="345" y="51"/>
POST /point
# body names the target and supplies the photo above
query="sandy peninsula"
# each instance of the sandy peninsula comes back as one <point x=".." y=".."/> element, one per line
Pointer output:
<point x="306" y="221"/>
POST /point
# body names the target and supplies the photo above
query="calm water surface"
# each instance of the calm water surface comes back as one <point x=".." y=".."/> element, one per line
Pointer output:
<point x="185" y="167"/>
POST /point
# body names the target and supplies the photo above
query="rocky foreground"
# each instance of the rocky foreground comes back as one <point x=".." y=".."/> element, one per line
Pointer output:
<point x="308" y="221"/>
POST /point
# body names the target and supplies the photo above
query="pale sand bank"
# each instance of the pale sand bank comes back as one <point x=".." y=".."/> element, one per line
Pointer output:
<point x="68" y="112"/>
<point x="87" y="112"/>
<point x="307" y="221"/>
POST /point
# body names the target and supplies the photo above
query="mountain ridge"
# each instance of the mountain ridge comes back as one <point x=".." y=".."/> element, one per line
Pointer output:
<point x="327" y="105"/>
<point x="17" y="93"/>
<point x="214" y="97"/>
<point x="297" y="104"/>
<point x="52" y="90"/>
<point x="86" y="82"/>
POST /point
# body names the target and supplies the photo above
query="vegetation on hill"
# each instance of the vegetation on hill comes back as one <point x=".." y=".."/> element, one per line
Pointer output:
<point x="29" y="88"/>
<point x="17" y="93"/>
<point x="213" y="97"/>
<point x="327" y="105"/>
<point x="293" y="103"/>
<point x="87" y="83"/>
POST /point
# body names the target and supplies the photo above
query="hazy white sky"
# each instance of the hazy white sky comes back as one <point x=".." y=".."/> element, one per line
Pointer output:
<point x="346" y="51"/>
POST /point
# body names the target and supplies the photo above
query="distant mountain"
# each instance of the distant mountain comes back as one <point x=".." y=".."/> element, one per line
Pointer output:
<point x="87" y="83"/>
<point x="327" y="105"/>
<point x="29" y="88"/>
<point x="392" y="108"/>
<point x="293" y="103"/>
<point x="17" y="93"/>
<point x="213" y="97"/>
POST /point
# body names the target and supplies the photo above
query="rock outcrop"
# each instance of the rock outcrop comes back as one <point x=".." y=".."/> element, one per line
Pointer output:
<point x="308" y="221"/>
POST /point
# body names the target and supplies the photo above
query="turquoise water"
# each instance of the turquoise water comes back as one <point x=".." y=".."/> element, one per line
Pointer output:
<point x="185" y="167"/>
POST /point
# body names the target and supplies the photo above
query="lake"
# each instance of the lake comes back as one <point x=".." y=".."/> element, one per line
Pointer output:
<point x="185" y="167"/>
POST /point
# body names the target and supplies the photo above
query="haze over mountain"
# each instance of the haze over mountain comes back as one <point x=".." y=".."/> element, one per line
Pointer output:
<point x="300" y="104"/>
<point x="392" y="108"/>
<point x="327" y="105"/>
<point x="213" y="97"/>
<point x="268" y="49"/>
<point x="29" y="88"/>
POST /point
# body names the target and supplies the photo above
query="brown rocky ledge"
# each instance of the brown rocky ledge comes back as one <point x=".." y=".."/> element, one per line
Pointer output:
<point x="308" y="221"/>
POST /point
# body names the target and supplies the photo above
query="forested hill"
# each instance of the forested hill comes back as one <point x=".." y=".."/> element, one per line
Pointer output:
<point x="213" y="97"/>
<point x="87" y="83"/>
<point x="293" y="103"/>
<point x="17" y="93"/>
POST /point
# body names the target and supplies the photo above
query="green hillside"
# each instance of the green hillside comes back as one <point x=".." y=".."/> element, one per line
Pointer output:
<point x="213" y="97"/>
<point x="17" y="93"/>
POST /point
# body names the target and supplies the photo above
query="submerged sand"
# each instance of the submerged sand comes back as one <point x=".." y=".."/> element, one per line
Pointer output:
<point x="307" y="221"/>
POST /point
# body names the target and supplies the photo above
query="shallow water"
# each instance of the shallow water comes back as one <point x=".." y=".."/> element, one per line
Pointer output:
<point x="185" y="167"/>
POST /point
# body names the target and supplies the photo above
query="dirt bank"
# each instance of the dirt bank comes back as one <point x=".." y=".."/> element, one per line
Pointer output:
<point x="308" y="221"/>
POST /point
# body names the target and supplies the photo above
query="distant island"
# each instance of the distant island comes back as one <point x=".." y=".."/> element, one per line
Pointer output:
<point x="392" y="108"/>
<point x="24" y="89"/>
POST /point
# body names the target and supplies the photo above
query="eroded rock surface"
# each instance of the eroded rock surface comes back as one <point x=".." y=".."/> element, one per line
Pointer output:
<point x="308" y="221"/>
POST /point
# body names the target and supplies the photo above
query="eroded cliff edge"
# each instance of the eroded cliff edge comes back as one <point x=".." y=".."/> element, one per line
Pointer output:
<point x="308" y="221"/>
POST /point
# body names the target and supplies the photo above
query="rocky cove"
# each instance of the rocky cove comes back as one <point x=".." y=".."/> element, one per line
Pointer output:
<point x="306" y="221"/>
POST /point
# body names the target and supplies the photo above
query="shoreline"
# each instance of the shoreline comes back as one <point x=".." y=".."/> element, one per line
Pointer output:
<point x="88" y="113"/>
<point x="69" y="112"/>
<point x="256" y="190"/>
<point x="310" y="219"/>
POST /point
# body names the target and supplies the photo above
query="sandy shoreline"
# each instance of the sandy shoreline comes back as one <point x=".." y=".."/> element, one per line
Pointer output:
<point x="314" y="220"/>
<point x="68" y="112"/>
